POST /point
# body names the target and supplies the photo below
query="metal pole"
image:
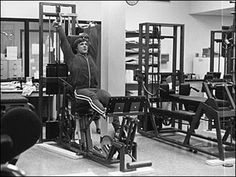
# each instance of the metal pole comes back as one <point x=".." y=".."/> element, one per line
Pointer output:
<point x="174" y="57"/>
<point x="219" y="58"/>
<point x="40" y="65"/>
<point x="234" y="41"/>
<point x="212" y="51"/>
<point x="181" y="53"/>
<point x="140" y="78"/>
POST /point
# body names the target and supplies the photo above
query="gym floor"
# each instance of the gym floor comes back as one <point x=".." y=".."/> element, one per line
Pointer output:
<point x="167" y="160"/>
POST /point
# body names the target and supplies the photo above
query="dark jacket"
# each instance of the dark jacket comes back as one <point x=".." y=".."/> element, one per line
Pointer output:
<point x="83" y="70"/>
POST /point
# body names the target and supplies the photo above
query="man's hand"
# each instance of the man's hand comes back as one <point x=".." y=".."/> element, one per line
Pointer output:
<point x="56" y="24"/>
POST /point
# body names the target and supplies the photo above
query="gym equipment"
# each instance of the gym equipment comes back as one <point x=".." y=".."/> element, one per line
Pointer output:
<point x="214" y="109"/>
<point x="218" y="111"/>
<point x="66" y="15"/>
<point x="124" y="142"/>
<point x="194" y="121"/>
<point x="49" y="12"/>
<point x="11" y="100"/>
<point x="68" y="111"/>
<point x="159" y="116"/>
<point x="227" y="41"/>
<point x="148" y="73"/>
<point x="20" y="130"/>
<point x="220" y="90"/>
<point x="153" y="122"/>
<point x="168" y="95"/>
<point x="112" y="150"/>
<point x="53" y="71"/>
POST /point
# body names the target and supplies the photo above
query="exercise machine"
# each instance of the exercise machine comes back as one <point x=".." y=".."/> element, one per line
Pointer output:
<point x="151" y="38"/>
<point x="123" y="143"/>
<point x="149" y="75"/>
<point x="71" y="115"/>
<point x="163" y="120"/>
<point x="215" y="110"/>
<point x="112" y="149"/>
<point x="227" y="41"/>
<point x="49" y="12"/>
<point x="218" y="111"/>
<point x="159" y="123"/>
<point x="220" y="90"/>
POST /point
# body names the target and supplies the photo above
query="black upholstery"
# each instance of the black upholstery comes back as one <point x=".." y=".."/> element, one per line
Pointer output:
<point x="184" y="89"/>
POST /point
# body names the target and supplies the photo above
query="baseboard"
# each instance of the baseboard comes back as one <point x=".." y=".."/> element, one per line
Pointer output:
<point x="50" y="146"/>
<point x="216" y="162"/>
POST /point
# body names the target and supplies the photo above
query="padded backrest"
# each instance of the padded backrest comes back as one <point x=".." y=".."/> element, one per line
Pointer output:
<point x="228" y="77"/>
<point x="184" y="89"/>
<point x="164" y="91"/>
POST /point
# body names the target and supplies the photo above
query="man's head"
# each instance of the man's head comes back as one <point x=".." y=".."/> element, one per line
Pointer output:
<point x="80" y="45"/>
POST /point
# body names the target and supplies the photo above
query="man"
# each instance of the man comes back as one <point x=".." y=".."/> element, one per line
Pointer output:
<point x="84" y="73"/>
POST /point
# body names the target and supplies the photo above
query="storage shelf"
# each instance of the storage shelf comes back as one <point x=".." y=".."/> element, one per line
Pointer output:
<point x="131" y="66"/>
<point x="130" y="34"/>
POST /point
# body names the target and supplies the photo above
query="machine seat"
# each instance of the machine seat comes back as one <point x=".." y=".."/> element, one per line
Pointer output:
<point x="81" y="108"/>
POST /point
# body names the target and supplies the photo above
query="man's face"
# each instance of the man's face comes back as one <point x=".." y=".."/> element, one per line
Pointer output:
<point x="82" y="47"/>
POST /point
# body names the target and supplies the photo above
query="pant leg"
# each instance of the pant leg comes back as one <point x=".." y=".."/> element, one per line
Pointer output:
<point x="91" y="97"/>
<point x="104" y="97"/>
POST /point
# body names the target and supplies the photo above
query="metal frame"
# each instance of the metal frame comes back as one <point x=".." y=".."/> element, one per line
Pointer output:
<point x="150" y="36"/>
<point x="124" y="144"/>
<point x="228" y="61"/>
<point x="168" y="135"/>
<point x="42" y="16"/>
<point x="232" y="49"/>
<point x="213" y="113"/>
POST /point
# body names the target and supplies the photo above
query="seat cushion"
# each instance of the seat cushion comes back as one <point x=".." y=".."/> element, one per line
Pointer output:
<point x="81" y="107"/>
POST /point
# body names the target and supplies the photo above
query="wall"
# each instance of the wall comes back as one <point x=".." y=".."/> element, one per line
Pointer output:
<point x="113" y="46"/>
<point x="116" y="16"/>
<point x="30" y="9"/>
<point x="205" y="6"/>
<point x="197" y="27"/>
<point x="113" y="26"/>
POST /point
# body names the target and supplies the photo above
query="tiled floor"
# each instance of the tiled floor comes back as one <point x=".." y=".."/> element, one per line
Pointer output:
<point x="167" y="160"/>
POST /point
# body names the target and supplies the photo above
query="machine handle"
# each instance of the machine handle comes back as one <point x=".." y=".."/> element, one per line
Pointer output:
<point x="195" y="89"/>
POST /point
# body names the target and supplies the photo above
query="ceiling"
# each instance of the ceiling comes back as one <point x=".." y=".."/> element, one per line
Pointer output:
<point x="224" y="12"/>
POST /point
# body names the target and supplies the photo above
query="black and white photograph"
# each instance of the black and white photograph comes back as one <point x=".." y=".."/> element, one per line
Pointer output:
<point x="118" y="88"/>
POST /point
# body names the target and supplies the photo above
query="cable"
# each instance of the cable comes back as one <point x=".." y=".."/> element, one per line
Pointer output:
<point x="146" y="90"/>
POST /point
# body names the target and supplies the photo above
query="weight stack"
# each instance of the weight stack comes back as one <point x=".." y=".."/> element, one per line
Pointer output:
<point x="52" y="130"/>
<point x="53" y="71"/>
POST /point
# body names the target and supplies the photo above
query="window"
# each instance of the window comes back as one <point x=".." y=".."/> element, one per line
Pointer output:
<point x="20" y="47"/>
<point x="12" y="58"/>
